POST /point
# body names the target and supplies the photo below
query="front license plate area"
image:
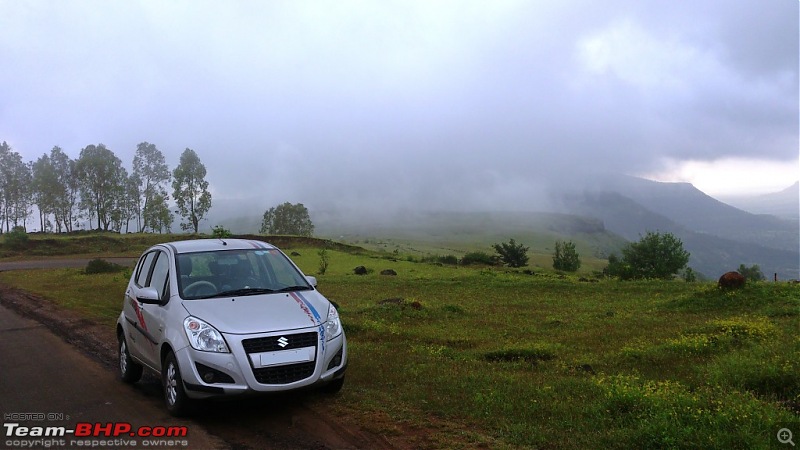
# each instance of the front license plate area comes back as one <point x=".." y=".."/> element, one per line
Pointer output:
<point x="283" y="357"/>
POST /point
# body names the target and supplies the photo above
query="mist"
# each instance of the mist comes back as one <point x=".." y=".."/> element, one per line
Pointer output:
<point x="383" y="107"/>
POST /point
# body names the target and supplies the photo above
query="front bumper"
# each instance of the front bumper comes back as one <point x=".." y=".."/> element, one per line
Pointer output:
<point x="262" y="363"/>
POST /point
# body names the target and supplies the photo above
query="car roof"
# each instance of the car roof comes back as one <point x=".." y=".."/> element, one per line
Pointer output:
<point x="206" y="245"/>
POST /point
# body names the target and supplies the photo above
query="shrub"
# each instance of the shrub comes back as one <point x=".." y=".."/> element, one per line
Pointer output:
<point x="655" y="256"/>
<point x="447" y="259"/>
<point x="689" y="275"/>
<point x="324" y="260"/>
<point x="752" y="273"/>
<point x="478" y="258"/>
<point x="565" y="257"/>
<point x="102" y="266"/>
<point x="512" y="254"/>
<point x="221" y="232"/>
<point x="17" y="238"/>
<point x="438" y="259"/>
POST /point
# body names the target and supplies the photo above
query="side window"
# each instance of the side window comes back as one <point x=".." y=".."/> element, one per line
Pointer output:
<point x="144" y="269"/>
<point x="160" y="274"/>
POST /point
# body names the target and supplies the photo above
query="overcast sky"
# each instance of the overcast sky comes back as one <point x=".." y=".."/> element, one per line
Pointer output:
<point x="447" y="104"/>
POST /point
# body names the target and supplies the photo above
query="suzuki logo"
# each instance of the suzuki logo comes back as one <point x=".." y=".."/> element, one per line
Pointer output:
<point x="283" y="342"/>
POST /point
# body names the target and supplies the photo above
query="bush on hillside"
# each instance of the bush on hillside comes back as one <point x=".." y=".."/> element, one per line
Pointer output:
<point x="752" y="273"/>
<point x="17" y="238"/>
<point x="481" y="258"/>
<point x="655" y="256"/>
<point x="512" y="254"/>
<point x="102" y="266"/>
<point x="565" y="257"/>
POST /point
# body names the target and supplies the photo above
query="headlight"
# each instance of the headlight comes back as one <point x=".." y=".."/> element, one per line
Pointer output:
<point x="203" y="336"/>
<point x="333" y="326"/>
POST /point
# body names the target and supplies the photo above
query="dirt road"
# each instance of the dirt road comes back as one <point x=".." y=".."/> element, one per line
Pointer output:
<point x="48" y="383"/>
<point x="295" y="421"/>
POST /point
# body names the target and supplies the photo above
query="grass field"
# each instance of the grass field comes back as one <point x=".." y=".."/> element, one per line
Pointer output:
<point x="500" y="359"/>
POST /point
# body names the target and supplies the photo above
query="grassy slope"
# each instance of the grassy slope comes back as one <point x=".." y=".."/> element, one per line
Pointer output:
<point x="453" y="233"/>
<point x="504" y="359"/>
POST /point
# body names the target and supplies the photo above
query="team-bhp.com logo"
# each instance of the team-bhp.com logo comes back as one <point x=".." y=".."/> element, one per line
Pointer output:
<point x="97" y="429"/>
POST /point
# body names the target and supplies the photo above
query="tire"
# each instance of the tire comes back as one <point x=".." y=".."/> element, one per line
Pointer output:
<point x="334" y="386"/>
<point x="129" y="370"/>
<point x="175" y="398"/>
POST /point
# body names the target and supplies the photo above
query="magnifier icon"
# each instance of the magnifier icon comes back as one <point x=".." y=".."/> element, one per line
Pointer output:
<point x="785" y="436"/>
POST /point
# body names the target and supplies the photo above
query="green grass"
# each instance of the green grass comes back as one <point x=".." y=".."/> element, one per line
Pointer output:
<point x="97" y="296"/>
<point x="501" y="359"/>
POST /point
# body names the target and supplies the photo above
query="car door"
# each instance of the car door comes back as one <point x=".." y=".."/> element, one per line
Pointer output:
<point x="146" y="320"/>
<point x="154" y="314"/>
<point x="138" y="344"/>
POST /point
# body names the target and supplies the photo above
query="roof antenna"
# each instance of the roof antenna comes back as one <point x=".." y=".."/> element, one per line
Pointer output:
<point x="223" y="242"/>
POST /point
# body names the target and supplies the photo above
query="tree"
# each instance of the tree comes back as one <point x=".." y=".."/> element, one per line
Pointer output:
<point x="157" y="216"/>
<point x="655" y="256"/>
<point x="45" y="188"/>
<point x="151" y="171"/>
<point x="287" y="219"/>
<point x="565" y="257"/>
<point x="102" y="184"/>
<point x="5" y="151"/>
<point x="15" y="187"/>
<point x="752" y="273"/>
<point x="191" y="190"/>
<point x="66" y="196"/>
<point x="512" y="254"/>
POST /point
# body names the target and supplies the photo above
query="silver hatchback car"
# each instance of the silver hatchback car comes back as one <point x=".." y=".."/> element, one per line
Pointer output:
<point x="222" y="317"/>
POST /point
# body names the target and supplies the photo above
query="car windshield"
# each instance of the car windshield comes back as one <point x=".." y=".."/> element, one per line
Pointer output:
<point x="227" y="273"/>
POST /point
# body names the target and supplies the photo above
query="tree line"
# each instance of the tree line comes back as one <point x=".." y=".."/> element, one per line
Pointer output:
<point x="97" y="188"/>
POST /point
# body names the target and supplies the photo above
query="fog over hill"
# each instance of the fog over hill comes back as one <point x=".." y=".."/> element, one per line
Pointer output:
<point x="711" y="254"/>
<point x="785" y="203"/>
<point x="719" y="236"/>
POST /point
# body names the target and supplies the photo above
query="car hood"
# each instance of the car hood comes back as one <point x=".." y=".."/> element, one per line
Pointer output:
<point x="261" y="313"/>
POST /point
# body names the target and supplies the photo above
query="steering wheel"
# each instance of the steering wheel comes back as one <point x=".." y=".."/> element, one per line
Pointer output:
<point x="251" y="282"/>
<point x="201" y="287"/>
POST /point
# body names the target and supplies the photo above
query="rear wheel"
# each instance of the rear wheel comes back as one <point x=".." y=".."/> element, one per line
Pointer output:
<point x="174" y="393"/>
<point x="129" y="370"/>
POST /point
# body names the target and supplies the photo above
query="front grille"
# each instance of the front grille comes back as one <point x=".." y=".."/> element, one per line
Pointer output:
<point x="288" y="373"/>
<point x="284" y="374"/>
<point x="272" y="343"/>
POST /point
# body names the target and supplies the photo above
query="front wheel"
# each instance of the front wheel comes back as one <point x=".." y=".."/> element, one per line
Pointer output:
<point x="174" y="393"/>
<point x="334" y="386"/>
<point x="129" y="370"/>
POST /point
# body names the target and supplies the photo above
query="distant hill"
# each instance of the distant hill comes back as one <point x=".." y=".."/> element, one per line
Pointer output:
<point x="686" y="205"/>
<point x="785" y="204"/>
<point x="473" y="230"/>
<point x="599" y="217"/>
<point x="719" y="236"/>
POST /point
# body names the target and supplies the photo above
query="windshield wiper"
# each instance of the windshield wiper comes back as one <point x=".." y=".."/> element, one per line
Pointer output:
<point x="243" y="291"/>
<point x="253" y="291"/>
<point x="293" y="288"/>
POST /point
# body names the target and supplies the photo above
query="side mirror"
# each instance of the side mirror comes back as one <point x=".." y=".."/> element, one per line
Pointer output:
<point x="148" y="296"/>
<point x="312" y="280"/>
